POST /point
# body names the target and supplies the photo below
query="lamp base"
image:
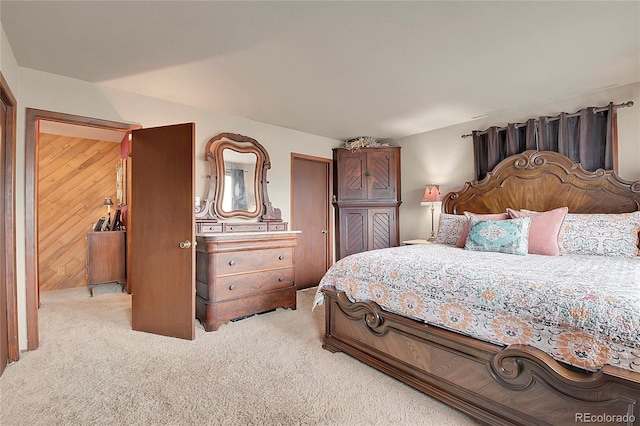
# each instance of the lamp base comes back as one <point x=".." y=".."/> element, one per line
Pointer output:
<point x="433" y="232"/>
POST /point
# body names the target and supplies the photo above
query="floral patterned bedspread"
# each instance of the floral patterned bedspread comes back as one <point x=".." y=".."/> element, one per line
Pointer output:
<point x="582" y="310"/>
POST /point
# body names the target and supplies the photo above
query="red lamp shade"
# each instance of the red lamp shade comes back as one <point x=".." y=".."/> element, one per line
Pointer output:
<point x="431" y="194"/>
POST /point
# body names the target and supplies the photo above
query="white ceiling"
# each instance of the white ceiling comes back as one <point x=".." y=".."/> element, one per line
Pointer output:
<point x="337" y="69"/>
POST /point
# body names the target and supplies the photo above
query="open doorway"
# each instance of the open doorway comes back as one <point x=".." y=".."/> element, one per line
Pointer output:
<point x="34" y="119"/>
<point x="77" y="174"/>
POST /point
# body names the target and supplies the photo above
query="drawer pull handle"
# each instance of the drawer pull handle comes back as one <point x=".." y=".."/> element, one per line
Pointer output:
<point x="232" y="287"/>
<point x="281" y="257"/>
<point x="280" y="279"/>
<point x="232" y="262"/>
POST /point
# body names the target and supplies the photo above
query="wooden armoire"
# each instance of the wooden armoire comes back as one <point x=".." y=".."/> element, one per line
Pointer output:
<point x="367" y="199"/>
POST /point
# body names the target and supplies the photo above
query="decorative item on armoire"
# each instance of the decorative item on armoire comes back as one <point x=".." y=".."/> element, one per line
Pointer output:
<point x="363" y="142"/>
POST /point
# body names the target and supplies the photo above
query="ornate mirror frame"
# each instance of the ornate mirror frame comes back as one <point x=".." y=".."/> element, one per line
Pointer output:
<point x="212" y="209"/>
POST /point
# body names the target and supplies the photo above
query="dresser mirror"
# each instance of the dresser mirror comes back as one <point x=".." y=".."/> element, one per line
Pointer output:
<point x="237" y="183"/>
<point x="237" y="179"/>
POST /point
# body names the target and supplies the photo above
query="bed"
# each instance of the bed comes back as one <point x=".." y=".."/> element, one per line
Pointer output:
<point x="517" y="373"/>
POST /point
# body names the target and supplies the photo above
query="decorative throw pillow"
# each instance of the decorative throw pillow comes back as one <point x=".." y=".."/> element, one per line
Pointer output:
<point x="600" y="234"/>
<point x="503" y="236"/>
<point x="450" y="228"/>
<point x="545" y="227"/>
<point x="465" y="231"/>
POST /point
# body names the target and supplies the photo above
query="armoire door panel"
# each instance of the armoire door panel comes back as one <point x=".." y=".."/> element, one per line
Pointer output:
<point x="352" y="178"/>
<point x="354" y="230"/>
<point x="382" y="169"/>
<point x="381" y="229"/>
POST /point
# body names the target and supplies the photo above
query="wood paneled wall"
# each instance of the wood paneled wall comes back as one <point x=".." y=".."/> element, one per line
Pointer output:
<point x="75" y="175"/>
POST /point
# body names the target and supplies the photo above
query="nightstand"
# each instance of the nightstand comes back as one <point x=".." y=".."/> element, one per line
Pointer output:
<point x="410" y="242"/>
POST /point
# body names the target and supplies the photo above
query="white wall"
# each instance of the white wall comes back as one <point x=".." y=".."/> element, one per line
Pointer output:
<point x="62" y="94"/>
<point x="443" y="157"/>
<point x="8" y="63"/>
<point x="55" y="93"/>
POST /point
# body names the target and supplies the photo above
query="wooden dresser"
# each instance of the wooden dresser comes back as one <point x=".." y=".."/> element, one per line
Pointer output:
<point x="243" y="273"/>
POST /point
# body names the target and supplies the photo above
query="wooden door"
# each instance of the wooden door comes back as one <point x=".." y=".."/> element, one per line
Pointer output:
<point x="4" y="323"/>
<point x="162" y="194"/>
<point x="311" y="194"/>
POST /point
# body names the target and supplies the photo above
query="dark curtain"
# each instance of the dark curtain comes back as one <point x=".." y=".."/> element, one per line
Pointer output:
<point x="495" y="144"/>
<point x="585" y="137"/>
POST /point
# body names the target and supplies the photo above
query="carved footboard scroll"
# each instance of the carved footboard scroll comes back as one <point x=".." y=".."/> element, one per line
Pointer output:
<point x="500" y="386"/>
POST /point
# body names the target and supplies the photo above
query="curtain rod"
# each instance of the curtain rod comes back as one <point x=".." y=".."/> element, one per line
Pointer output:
<point x="627" y="104"/>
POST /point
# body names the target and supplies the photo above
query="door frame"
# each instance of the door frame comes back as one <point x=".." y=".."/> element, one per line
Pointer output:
<point x="330" y="215"/>
<point x="9" y="188"/>
<point x="33" y="116"/>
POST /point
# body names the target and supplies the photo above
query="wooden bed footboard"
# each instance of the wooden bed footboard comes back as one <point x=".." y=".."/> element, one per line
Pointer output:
<point x="500" y="386"/>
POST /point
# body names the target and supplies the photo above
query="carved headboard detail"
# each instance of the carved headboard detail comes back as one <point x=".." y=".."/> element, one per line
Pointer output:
<point x="544" y="180"/>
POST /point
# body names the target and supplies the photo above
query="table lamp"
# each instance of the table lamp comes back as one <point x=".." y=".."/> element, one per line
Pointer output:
<point x="431" y="195"/>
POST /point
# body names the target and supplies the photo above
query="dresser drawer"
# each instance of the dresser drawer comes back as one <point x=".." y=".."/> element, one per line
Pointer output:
<point x="209" y="228"/>
<point x="246" y="227"/>
<point x="277" y="226"/>
<point x="236" y="286"/>
<point x="253" y="260"/>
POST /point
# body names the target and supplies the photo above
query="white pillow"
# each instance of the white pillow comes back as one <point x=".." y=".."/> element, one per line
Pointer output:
<point x="450" y="228"/>
<point x="600" y="234"/>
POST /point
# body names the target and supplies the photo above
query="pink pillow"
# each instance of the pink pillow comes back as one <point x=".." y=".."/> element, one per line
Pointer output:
<point x="545" y="227"/>
<point x="465" y="230"/>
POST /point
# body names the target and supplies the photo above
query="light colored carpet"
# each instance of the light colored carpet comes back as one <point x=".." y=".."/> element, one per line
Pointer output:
<point x="270" y="369"/>
<point x="106" y="288"/>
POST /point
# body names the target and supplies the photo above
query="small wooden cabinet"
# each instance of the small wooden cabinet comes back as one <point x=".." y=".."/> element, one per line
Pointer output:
<point x="240" y="274"/>
<point x="106" y="258"/>
<point x="367" y="187"/>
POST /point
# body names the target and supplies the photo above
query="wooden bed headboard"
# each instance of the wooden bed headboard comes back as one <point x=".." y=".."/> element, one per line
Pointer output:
<point x="544" y="180"/>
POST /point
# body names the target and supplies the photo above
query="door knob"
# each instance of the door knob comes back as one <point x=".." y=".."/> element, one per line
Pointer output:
<point x="187" y="244"/>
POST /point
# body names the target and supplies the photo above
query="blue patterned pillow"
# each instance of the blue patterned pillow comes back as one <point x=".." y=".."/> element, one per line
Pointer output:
<point x="503" y="236"/>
